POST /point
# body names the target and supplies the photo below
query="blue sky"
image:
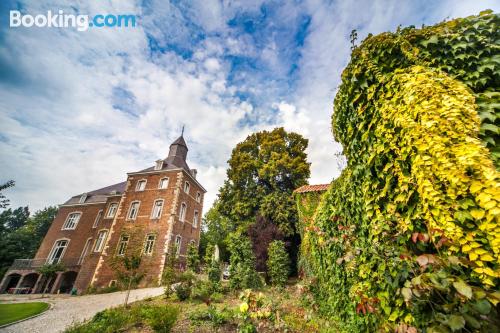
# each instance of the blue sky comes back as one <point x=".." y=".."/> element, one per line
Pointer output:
<point x="80" y="109"/>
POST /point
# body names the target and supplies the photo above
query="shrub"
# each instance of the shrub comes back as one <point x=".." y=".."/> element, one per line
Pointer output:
<point x="214" y="274"/>
<point x="170" y="272"/>
<point x="216" y="317"/>
<point x="183" y="291"/>
<point x="406" y="238"/>
<point x="242" y="269"/>
<point x="278" y="264"/>
<point x="160" y="318"/>
<point x="193" y="258"/>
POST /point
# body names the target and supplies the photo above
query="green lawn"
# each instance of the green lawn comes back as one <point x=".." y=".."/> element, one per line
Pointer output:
<point x="13" y="312"/>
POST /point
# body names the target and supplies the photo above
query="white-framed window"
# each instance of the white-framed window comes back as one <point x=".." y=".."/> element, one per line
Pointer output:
<point x="198" y="196"/>
<point x="182" y="212"/>
<point x="101" y="239"/>
<point x="133" y="210"/>
<point x="195" y="219"/>
<point x="86" y="249"/>
<point x="71" y="221"/>
<point x="112" y="210"/>
<point x="159" y="165"/>
<point x="83" y="197"/>
<point x="149" y="243"/>
<point x="157" y="209"/>
<point x="122" y="245"/>
<point x="178" y="244"/>
<point x="192" y="242"/>
<point x="112" y="283"/>
<point x="187" y="186"/>
<point x="57" y="252"/>
<point x="97" y="218"/>
<point x="141" y="185"/>
<point x="163" y="184"/>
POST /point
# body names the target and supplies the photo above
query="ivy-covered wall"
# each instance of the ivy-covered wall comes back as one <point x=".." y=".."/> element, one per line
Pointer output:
<point x="409" y="236"/>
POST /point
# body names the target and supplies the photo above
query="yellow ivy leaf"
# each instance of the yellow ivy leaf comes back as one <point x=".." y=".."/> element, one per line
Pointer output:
<point x="473" y="256"/>
<point x="486" y="257"/>
<point x="475" y="186"/>
<point x="466" y="248"/>
<point x="477" y="213"/>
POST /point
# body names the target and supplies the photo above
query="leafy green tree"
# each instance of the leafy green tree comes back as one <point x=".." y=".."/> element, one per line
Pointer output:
<point x="12" y="220"/>
<point x="4" y="202"/>
<point x="263" y="172"/>
<point x="242" y="263"/>
<point x="128" y="272"/>
<point x="278" y="263"/>
<point x="49" y="272"/>
<point x="218" y="227"/>
<point x="21" y="235"/>
<point x="170" y="270"/>
<point x="193" y="258"/>
<point x="209" y="254"/>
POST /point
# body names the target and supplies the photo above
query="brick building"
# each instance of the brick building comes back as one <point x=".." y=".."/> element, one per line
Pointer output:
<point x="149" y="213"/>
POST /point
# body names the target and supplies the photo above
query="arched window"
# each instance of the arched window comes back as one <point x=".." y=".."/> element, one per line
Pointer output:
<point x="182" y="213"/>
<point x="71" y="221"/>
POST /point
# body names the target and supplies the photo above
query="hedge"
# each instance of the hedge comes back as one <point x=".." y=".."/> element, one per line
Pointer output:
<point x="408" y="237"/>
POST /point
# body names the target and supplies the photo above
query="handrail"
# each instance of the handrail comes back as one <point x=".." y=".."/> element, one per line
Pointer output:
<point x="39" y="262"/>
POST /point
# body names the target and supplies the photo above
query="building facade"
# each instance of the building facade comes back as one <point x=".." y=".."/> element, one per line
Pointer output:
<point x="154" y="211"/>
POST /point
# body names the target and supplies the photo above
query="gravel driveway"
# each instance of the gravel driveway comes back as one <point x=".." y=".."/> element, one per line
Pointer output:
<point x="67" y="310"/>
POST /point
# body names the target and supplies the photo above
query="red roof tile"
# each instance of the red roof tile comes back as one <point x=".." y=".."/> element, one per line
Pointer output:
<point x="312" y="188"/>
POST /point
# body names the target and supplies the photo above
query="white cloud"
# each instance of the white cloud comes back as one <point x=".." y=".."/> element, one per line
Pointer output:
<point x="60" y="133"/>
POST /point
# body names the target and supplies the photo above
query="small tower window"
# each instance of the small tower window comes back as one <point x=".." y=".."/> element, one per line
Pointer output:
<point x="198" y="196"/>
<point x="149" y="244"/>
<point x="157" y="208"/>
<point x="134" y="210"/>
<point x="122" y="245"/>
<point x="141" y="185"/>
<point x="186" y="187"/>
<point x="182" y="213"/>
<point x="101" y="238"/>
<point x="178" y="244"/>
<point x="97" y="218"/>
<point x="195" y="219"/>
<point x="163" y="183"/>
<point x="112" y="210"/>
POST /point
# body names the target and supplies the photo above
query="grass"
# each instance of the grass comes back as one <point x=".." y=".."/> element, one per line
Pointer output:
<point x="10" y="313"/>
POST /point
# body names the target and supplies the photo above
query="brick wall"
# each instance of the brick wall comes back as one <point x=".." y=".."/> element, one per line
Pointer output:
<point x="167" y="226"/>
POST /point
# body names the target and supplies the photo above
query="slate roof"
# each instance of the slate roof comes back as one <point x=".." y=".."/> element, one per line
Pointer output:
<point x="98" y="195"/>
<point x="312" y="188"/>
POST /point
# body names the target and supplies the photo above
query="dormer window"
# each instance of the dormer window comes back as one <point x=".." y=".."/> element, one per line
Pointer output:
<point x="159" y="165"/>
<point x="83" y="197"/>
<point x="141" y="185"/>
<point x="186" y="187"/>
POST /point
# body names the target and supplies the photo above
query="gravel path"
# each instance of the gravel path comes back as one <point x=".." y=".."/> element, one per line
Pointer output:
<point x="67" y="310"/>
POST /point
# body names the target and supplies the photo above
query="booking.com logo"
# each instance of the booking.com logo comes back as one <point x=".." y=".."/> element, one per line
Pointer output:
<point x="62" y="20"/>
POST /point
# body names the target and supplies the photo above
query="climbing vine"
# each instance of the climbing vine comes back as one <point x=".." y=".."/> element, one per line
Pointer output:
<point x="409" y="236"/>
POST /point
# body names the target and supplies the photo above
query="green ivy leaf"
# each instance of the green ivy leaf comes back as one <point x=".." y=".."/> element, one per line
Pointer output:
<point x="482" y="306"/>
<point x="456" y="322"/>
<point x="463" y="288"/>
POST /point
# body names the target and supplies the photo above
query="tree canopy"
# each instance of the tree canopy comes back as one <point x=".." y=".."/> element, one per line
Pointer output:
<point x="263" y="171"/>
